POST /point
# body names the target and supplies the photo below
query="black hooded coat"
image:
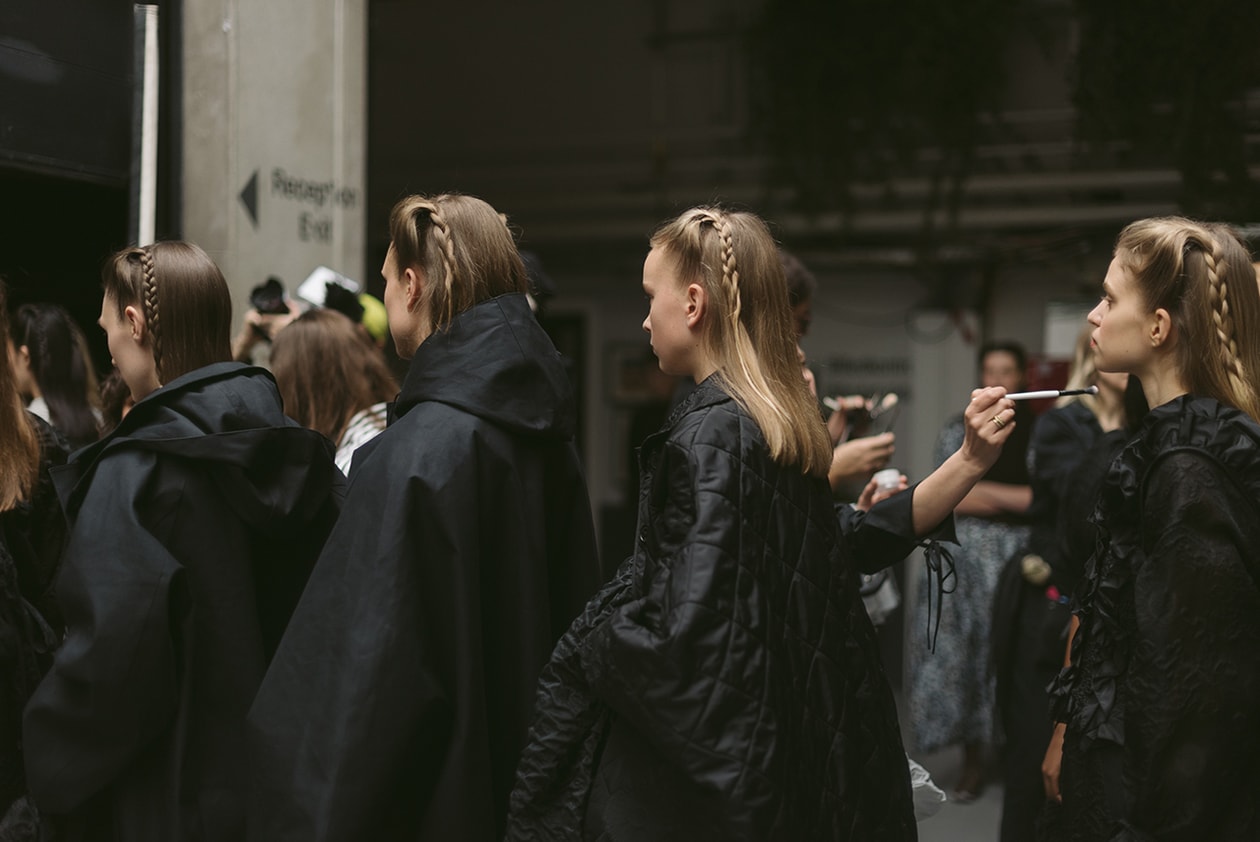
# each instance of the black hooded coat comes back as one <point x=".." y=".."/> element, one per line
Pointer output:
<point x="193" y="527"/>
<point x="399" y="700"/>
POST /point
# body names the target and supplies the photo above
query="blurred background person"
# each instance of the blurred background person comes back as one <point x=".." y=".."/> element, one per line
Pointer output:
<point x="855" y="456"/>
<point x="116" y="400"/>
<point x="54" y="371"/>
<point x="1030" y="610"/>
<point x="333" y="379"/>
<point x="32" y="531"/>
<point x="950" y="684"/>
<point x="271" y="309"/>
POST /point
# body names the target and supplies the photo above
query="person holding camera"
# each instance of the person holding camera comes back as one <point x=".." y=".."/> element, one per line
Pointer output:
<point x="270" y="311"/>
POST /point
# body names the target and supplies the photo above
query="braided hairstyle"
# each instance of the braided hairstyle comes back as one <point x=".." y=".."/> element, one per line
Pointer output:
<point x="463" y="248"/>
<point x="185" y="301"/>
<point x="1201" y="273"/>
<point x="750" y="336"/>
<point x="149" y="298"/>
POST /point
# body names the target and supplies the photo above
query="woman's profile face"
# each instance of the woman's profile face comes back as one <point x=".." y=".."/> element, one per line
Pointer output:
<point x="1121" y="337"/>
<point x="666" y="323"/>
<point x="129" y="347"/>
<point x="408" y="320"/>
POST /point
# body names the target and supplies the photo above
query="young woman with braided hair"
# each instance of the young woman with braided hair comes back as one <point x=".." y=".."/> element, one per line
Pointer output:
<point x="727" y="683"/>
<point x="1159" y="709"/>
<point x="193" y="527"/>
<point x="398" y="702"/>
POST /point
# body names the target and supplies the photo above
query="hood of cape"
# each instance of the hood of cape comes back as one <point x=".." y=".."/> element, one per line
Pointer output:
<point x="496" y="362"/>
<point x="226" y="418"/>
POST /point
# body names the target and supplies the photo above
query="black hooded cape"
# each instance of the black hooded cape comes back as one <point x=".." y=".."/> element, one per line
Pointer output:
<point x="193" y="527"/>
<point x="399" y="700"/>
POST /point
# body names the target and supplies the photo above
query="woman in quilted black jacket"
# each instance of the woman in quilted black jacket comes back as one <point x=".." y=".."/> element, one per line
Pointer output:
<point x="727" y="683"/>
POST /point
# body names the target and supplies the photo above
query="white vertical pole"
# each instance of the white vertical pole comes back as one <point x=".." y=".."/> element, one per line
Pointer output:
<point x="146" y="208"/>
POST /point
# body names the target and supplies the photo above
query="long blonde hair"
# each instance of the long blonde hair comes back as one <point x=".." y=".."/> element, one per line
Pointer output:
<point x="1083" y="373"/>
<point x="464" y="247"/>
<point x="748" y="332"/>
<point x="1202" y="275"/>
<point x="19" y="444"/>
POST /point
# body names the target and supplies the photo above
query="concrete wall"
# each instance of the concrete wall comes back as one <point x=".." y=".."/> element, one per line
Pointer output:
<point x="275" y="117"/>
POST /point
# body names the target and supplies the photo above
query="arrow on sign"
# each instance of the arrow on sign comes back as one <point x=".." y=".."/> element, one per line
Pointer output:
<point x="249" y="198"/>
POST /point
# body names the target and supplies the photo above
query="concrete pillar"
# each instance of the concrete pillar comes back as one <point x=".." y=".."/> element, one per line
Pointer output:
<point x="275" y="125"/>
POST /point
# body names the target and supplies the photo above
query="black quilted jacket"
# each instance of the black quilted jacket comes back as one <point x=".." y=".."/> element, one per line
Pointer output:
<point x="727" y="684"/>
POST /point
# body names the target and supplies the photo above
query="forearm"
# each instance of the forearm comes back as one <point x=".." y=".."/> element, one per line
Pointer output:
<point x="988" y="499"/>
<point x="1072" y="627"/>
<point x="941" y="491"/>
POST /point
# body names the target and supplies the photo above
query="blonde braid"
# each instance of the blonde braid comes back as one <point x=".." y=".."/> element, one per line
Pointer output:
<point x="442" y="232"/>
<point x="730" y="274"/>
<point x="1222" y="317"/>
<point x="149" y="299"/>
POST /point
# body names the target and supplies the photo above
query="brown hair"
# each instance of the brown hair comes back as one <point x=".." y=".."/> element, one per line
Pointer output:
<point x="62" y="366"/>
<point x="328" y="370"/>
<point x="1202" y="275"/>
<point x="186" y="303"/>
<point x="19" y="443"/>
<point x="464" y="248"/>
<point x="748" y="332"/>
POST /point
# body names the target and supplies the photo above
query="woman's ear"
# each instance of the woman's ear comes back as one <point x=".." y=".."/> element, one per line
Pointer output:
<point x="696" y="304"/>
<point x="136" y="323"/>
<point x="1161" y="328"/>
<point x="414" y="282"/>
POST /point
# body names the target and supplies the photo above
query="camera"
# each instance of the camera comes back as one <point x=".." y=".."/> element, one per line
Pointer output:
<point x="269" y="297"/>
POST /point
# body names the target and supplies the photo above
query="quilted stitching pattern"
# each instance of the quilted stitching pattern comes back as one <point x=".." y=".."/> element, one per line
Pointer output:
<point x="746" y="657"/>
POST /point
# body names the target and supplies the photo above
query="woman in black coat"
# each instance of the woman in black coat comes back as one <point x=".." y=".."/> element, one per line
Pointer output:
<point x="193" y="527"/>
<point x="727" y="683"/>
<point x="1159" y="710"/>
<point x="398" y="703"/>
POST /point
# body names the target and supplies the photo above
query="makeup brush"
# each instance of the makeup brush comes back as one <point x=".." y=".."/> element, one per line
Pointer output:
<point x="1051" y="393"/>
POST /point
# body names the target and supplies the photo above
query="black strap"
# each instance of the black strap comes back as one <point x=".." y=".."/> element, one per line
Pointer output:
<point x="940" y="563"/>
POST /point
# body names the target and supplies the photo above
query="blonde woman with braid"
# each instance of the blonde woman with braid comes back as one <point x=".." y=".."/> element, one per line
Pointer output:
<point x="727" y="685"/>
<point x="193" y="526"/>
<point x="1160" y="706"/>
<point x="397" y="705"/>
